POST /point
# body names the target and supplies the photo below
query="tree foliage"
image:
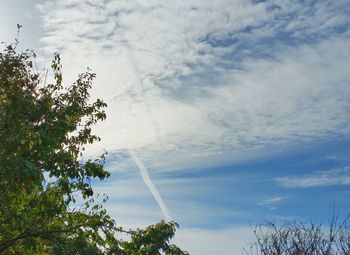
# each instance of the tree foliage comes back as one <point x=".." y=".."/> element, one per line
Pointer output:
<point x="43" y="131"/>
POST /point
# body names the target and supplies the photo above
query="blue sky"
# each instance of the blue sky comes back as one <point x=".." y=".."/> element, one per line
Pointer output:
<point x="237" y="110"/>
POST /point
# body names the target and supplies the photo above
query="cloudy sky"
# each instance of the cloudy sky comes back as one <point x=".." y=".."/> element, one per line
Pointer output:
<point x="221" y="114"/>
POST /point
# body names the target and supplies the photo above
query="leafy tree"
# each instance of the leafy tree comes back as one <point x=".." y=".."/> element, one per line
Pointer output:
<point x="43" y="131"/>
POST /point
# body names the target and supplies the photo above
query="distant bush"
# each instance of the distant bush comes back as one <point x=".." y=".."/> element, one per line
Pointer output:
<point x="299" y="238"/>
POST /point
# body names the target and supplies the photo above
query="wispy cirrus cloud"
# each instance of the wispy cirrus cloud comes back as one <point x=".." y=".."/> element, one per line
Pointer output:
<point x="271" y="202"/>
<point x="202" y="79"/>
<point x="332" y="177"/>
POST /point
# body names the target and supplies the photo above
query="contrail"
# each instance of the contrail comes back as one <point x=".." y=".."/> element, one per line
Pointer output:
<point x="147" y="180"/>
<point x="140" y="83"/>
<point x="143" y="170"/>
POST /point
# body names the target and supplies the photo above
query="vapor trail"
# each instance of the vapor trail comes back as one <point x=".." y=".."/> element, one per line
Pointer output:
<point x="140" y="83"/>
<point x="147" y="180"/>
<point x="143" y="170"/>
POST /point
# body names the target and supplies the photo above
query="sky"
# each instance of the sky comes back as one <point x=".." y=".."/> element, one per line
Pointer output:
<point x="221" y="114"/>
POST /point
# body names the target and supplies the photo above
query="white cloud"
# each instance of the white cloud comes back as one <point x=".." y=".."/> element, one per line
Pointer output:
<point x="171" y="100"/>
<point x="271" y="202"/>
<point x="337" y="176"/>
<point x="300" y="97"/>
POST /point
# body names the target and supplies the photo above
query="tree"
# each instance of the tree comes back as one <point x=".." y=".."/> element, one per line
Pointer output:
<point x="299" y="238"/>
<point x="43" y="131"/>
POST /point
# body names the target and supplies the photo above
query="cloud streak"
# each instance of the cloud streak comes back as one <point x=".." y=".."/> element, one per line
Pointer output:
<point x="271" y="202"/>
<point x="337" y="176"/>
<point x="147" y="180"/>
